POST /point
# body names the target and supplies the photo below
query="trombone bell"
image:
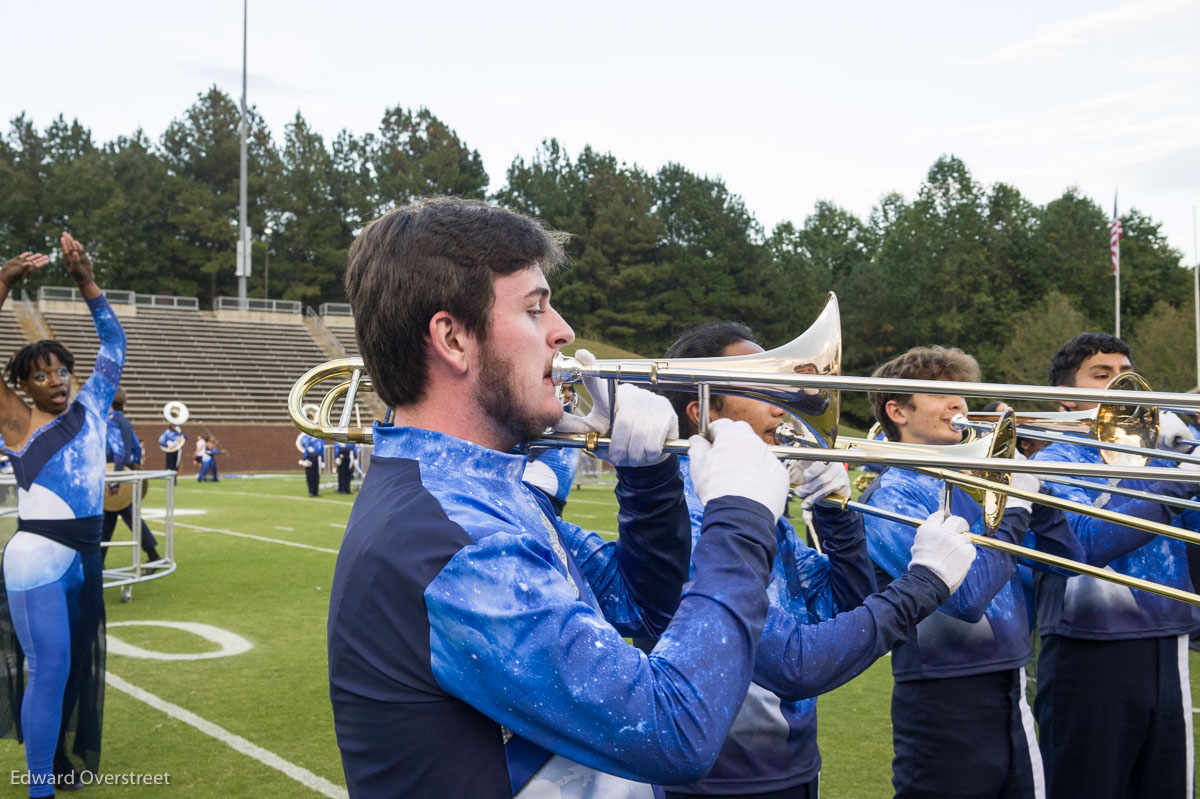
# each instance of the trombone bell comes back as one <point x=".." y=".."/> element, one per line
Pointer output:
<point x="816" y="351"/>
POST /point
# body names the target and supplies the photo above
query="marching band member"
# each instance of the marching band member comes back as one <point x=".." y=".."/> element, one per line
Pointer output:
<point x="345" y="455"/>
<point x="475" y="641"/>
<point x="961" y="724"/>
<point x="313" y="458"/>
<point x="124" y="451"/>
<point x="825" y="624"/>
<point x="1114" y="704"/>
<point x="167" y="442"/>
<point x="52" y="571"/>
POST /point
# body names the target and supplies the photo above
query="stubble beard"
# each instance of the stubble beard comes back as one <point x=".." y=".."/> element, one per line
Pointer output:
<point x="499" y="397"/>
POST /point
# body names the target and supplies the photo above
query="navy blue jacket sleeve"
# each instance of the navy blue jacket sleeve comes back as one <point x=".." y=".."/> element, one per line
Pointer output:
<point x="844" y="542"/>
<point x="576" y="687"/>
<point x="797" y="661"/>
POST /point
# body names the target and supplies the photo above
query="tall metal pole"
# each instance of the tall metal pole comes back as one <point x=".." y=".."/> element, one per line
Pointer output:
<point x="1196" y="292"/>
<point x="243" y="246"/>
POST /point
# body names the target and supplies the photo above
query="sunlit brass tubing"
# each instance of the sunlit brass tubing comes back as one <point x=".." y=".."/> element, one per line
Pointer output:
<point x="1029" y="554"/>
<point x="912" y="459"/>
<point x="961" y="422"/>
<point x="1188" y="504"/>
<point x="340" y="367"/>
<point x="566" y="369"/>
<point x="1125" y="520"/>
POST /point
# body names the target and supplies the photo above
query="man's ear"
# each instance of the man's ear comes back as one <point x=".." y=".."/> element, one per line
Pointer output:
<point x="693" y="413"/>
<point x="450" y="342"/>
<point x="896" y="412"/>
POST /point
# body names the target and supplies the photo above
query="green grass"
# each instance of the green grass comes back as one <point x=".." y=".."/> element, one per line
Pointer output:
<point x="276" y="695"/>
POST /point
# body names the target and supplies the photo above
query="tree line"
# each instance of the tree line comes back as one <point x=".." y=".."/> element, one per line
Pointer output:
<point x="979" y="267"/>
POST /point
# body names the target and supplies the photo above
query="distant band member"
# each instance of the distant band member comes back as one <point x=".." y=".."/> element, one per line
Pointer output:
<point x="1114" y="704"/>
<point x="169" y="442"/>
<point x="345" y="454"/>
<point x="124" y="451"/>
<point x="961" y="726"/>
<point x="313" y="458"/>
<point x="52" y="571"/>
<point x="208" y="460"/>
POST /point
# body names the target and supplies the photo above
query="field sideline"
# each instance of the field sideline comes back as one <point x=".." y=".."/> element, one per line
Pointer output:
<point x="256" y="557"/>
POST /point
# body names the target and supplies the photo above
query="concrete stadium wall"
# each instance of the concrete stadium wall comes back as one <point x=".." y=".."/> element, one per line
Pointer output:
<point x="249" y="447"/>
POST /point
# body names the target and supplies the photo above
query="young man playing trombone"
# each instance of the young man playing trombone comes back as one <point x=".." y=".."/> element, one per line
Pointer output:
<point x="961" y="725"/>
<point x="475" y="641"/>
<point x="825" y="624"/>
<point x="1114" y="704"/>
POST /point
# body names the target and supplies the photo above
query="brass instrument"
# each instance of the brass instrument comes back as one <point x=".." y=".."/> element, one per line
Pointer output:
<point x="176" y="413"/>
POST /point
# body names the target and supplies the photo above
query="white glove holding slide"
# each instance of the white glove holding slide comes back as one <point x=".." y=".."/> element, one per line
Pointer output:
<point x="941" y="547"/>
<point x="1172" y="432"/>
<point x="819" y="480"/>
<point x="1025" y="482"/>
<point x="737" y="463"/>
<point x="643" y="421"/>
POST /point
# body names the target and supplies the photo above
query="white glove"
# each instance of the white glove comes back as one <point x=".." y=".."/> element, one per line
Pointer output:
<point x="1172" y="431"/>
<point x="819" y="480"/>
<point x="1025" y="482"/>
<point x="737" y="463"/>
<point x="941" y="547"/>
<point x="305" y="463"/>
<point x="643" y="421"/>
<point x="597" y="419"/>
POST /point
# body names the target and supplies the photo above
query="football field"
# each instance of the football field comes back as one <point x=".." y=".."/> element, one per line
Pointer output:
<point x="216" y="674"/>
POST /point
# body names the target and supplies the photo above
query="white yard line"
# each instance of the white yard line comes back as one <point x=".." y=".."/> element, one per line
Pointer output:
<point x="305" y="499"/>
<point x="235" y="742"/>
<point x="255" y="537"/>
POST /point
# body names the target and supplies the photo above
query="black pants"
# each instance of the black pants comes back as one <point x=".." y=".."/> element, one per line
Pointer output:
<point x="964" y="737"/>
<point x="149" y="542"/>
<point x="1112" y="717"/>
<point x="344" y="472"/>
<point x="809" y="790"/>
<point x="173" y="461"/>
<point x="313" y="475"/>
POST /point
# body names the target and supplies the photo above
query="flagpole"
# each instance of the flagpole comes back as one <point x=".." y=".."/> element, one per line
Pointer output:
<point x="1196" y="292"/>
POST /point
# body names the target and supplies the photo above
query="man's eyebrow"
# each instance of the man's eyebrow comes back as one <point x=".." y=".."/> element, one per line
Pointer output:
<point x="539" y="292"/>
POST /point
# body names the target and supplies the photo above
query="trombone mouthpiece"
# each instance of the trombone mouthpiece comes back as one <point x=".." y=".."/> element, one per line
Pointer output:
<point x="959" y="423"/>
<point x="565" y="369"/>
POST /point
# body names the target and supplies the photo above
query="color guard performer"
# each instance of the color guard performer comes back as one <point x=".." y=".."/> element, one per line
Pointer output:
<point x="52" y="572"/>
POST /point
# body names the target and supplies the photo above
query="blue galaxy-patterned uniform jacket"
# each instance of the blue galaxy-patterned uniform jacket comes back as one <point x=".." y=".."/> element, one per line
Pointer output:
<point x="472" y="634"/>
<point x="1084" y="607"/>
<point x="812" y="643"/>
<point x="60" y="469"/>
<point x="984" y="625"/>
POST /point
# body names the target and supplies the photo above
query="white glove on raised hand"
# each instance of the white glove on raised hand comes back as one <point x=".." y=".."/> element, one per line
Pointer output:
<point x="737" y="463"/>
<point x="941" y="547"/>
<point x="643" y="421"/>
<point x="1172" y="432"/>
<point x="819" y="480"/>
<point x="1025" y="482"/>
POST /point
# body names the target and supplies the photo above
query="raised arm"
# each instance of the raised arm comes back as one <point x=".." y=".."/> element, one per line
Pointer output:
<point x="14" y="413"/>
<point x="98" y="391"/>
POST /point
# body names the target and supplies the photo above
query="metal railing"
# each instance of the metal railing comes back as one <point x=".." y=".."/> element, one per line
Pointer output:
<point x="334" y="309"/>
<point x="255" y="304"/>
<point x="118" y="297"/>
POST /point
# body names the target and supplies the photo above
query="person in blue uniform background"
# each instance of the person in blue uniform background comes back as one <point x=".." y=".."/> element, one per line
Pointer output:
<point x="51" y="566"/>
<point x="124" y="451"/>
<point x="961" y="723"/>
<point x="1114" y="704"/>
<point x="345" y="455"/>
<point x="771" y="749"/>
<point x="312" y="458"/>
<point x="169" y="439"/>
<point x="475" y="640"/>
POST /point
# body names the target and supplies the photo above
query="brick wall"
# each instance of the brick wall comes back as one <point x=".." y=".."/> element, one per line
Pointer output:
<point x="248" y="447"/>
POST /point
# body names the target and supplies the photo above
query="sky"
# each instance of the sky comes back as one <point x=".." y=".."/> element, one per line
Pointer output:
<point x="787" y="102"/>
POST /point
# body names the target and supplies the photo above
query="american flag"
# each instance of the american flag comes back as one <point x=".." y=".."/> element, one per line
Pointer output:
<point x="1114" y="240"/>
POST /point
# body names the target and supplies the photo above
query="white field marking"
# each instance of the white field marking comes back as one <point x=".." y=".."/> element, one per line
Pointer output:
<point x="286" y="529"/>
<point x="161" y="513"/>
<point x="235" y="742"/>
<point x="338" y="526"/>
<point x="256" y="537"/>
<point x="573" y="501"/>
<point x="307" y="500"/>
<point x="230" y="643"/>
